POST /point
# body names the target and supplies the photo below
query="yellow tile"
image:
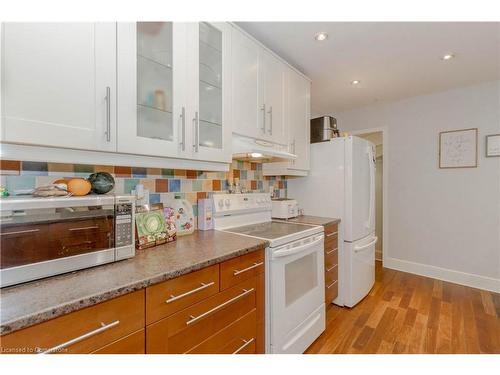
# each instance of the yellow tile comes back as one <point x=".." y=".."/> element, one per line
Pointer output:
<point x="207" y="185"/>
<point x="192" y="198"/>
<point x="154" y="172"/>
<point x="60" y="167"/>
<point x="105" y="168"/>
<point x="149" y="184"/>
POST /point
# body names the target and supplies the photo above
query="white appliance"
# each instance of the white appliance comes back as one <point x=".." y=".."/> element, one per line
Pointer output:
<point x="341" y="183"/>
<point x="256" y="150"/>
<point x="295" y="285"/>
<point x="284" y="208"/>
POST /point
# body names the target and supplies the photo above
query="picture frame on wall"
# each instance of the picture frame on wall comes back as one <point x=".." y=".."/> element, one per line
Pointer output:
<point x="493" y="145"/>
<point x="458" y="148"/>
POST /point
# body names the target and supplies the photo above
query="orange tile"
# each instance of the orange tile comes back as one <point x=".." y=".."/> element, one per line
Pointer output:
<point x="123" y="171"/>
<point x="216" y="185"/>
<point x="236" y="173"/>
<point x="104" y="168"/>
<point x="10" y="167"/>
<point x="253" y="185"/>
<point x="180" y="173"/>
<point x="201" y="195"/>
<point x="253" y="166"/>
<point x="191" y="174"/>
<point x="161" y="185"/>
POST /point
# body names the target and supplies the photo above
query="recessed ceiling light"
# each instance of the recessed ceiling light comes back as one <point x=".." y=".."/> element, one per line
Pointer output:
<point x="321" y="36"/>
<point x="355" y="82"/>
<point x="448" y="56"/>
<point x="256" y="155"/>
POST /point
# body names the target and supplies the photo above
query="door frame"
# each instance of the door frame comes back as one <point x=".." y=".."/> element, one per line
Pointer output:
<point x="385" y="180"/>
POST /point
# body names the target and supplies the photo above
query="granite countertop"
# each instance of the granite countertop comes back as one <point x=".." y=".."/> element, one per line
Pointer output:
<point x="313" y="220"/>
<point x="35" y="302"/>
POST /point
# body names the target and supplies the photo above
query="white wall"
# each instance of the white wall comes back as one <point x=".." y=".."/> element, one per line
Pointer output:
<point x="443" y="223"/>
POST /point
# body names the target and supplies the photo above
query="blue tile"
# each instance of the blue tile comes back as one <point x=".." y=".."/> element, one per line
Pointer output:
<point x="240" y="164"/>
<point x="34" y="168"/>
<point x="260" y="185"/>
<point x="129" y="185"/>
<point x="285" y="184"/>
<point x="243" y="175"/>
<point x="20" y="183"/>
<point x="138" y="172"/>
<point x="195" y="210"/>
<point x="225" y="185"/>
<point x="154" y="198"/>
<point x="174" y="186"/>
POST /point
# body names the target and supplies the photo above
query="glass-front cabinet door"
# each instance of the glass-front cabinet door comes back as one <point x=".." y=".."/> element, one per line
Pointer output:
<point x="151" y="81"/>
<point x="210" y="81"/>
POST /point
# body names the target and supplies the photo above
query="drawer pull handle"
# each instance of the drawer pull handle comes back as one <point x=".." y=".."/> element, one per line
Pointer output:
<point x="104" y="327"/>
<point x="331" y="251"/>
<point x="331" y="268"/>
<point x="20" y="232"/>
<point x="246" y="343"/>
<point x="84" y="228"/>
<point x="175" y="298"/>
<point x="332" y="284"/>
<point x="255" y="265"/>
<point x="218" y="307"/>
<point x="332" y="234"/>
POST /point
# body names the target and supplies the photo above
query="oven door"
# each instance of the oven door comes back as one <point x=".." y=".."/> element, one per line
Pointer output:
<point x="297" y="294"/>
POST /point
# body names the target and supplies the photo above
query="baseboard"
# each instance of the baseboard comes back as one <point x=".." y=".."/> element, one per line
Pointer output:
<point x="457" y="277"/>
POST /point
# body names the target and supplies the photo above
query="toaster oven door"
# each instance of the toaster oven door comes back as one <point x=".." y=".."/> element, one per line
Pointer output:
<point x="43" y="242"/>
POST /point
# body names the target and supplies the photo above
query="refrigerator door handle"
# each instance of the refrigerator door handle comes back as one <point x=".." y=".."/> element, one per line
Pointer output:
<point x="357" y="249"/>
<point x="371" y="165"/>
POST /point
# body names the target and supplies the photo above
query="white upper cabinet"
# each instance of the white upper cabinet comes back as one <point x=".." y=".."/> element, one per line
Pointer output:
<point x="273" y="98"/>
<point x="173" y="81"/>
<point x="247" y="100"/>
<point x="59" y="84"/>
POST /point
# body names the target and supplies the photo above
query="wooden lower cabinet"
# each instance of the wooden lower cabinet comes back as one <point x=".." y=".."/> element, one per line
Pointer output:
<point x="194" y="313"/>
<point x="331" y="263"/>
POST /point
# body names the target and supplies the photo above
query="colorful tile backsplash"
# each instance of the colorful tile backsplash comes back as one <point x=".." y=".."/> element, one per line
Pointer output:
<point x="161" y="183"/>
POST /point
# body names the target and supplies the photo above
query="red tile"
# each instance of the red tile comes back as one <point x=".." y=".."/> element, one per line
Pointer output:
<point x="216" y="185"/>
<point x="191" y="174"/>
<point x="201" y="195"/>
<point x="11" y="167"/>
<point x="253" y="185"/>
<point x="253" y="166"/>
<point x="161" y="185"/>
<point x="123" y="171"/>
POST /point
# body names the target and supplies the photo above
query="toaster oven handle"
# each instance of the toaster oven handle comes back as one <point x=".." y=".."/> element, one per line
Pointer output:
<point x="295" y="250"/>
<point x="20" y="232"/>
<point x="84" y="228"/>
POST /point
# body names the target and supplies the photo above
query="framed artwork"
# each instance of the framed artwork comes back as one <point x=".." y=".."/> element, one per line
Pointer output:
<point x="493" y="145"/>
<point x="458" y="149"/>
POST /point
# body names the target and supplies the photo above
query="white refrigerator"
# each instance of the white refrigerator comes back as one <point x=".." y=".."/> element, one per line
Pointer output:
<point x="341" y="184"/>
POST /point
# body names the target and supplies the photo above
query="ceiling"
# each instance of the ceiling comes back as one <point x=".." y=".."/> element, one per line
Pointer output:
<point x="392" y="60"/>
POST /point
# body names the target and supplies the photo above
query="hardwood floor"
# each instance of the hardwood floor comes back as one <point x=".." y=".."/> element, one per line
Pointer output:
<point x="406" y="313"/>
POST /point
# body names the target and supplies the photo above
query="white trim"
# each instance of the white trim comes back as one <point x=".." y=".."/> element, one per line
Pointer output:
<point x="10" y="151"/>
<point x="385" y="187"/>
<point x="445" y="274"/>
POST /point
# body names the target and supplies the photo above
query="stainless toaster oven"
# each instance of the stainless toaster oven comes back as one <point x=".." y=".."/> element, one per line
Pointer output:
<point x="41" y="237"/>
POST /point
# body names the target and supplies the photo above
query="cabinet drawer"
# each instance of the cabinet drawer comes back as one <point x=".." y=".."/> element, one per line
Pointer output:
<point x="166" y="298"/>
<point x="331" y="274"/>
<point x="237" y="337"/>
<point x="242" y="268"/>
<point x="131" y="344"/>
<point x="332" y="228"/>
<point x="332" y="291"/>
<point x="85" y="330"/>
<point x="331" y="259"/>
<point x="184" y="330"/>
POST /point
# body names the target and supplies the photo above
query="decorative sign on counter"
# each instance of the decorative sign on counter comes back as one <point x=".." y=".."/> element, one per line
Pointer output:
<point x="458" y="149"/>
<point x="493" y="145"/>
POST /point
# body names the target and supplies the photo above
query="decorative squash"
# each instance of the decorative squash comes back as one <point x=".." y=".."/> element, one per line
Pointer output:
<point x="79" y="186"/>
<point x="102" y="182"/>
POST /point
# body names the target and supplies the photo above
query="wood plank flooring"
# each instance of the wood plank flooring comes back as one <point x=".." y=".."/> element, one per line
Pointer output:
<point x="406" y="313"/>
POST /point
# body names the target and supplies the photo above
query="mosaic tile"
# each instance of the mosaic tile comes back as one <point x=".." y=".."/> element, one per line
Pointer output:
<point x="60" y="169"/>
<point x="260" y="185"/>
<point x="168" y="173"/>
<point x="192" y="198"/>
<point x="225" y="185"/>
<point x="82" y="169"/>
<point x="186" y="186"/>
<point x="153" y="172"/>
<point x="119" y="186"/>
<point x="161" y="185"/>
<point x="216" y="185"/>
<point x="239" y="165"/>
<point x="201" y="195"/>
<point x="191" y="174"/>
<point x="197" y="185"/>
<point x="253" y="185"/>
<point x="123" y="171"/>
<point x="207" y="185"/>
<point x="104" y="168"/>
<point x="129" y="185"/>
<point x="14" y="183"/>
<point x="180" y="173"/>
<point x="243" y="175"/>
<point x="139" y="172"/>
<point x="154" y="198"/>
<point x="174" y="185"/>
<point x="34" y="168"/>
<point x="149" y="184"/>
<point x="195" y="211"/>
<point x="253" y="166"/>
<point x="236" y="173"/>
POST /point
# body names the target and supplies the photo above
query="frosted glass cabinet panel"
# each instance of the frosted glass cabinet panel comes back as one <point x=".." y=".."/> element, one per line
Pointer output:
<point x="154" y="80"/>
<point x="210" y="86"/>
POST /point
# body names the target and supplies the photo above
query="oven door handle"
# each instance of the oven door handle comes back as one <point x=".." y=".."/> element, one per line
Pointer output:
<point x="295" y="250"/>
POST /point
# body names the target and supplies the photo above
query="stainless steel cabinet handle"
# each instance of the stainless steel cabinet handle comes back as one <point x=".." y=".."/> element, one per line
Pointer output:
<point x="20" y="232"/>
<point x="104" y="327"/>
<point x="203" y="286"/>
<point x="183" y="131"/>
<point x="332" y="234"/>
<point x="331" y="251"/>
<point x="218" y="307"/>
<point x="263" y="109"/>
<point x="270" y="120"/>
<point x="246" y="343"/>
<point x="108" y="114"/>
<point x="84" y="228"/>
<point x="255" y="265"/>
<point x="196" y="130"/>
<point x="331" y="268"/>
<point x="332" y="284"/>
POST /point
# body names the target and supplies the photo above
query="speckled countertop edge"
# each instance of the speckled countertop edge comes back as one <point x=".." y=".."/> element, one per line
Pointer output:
<point x="300" y="220"/>
<point x="91" y="300"/>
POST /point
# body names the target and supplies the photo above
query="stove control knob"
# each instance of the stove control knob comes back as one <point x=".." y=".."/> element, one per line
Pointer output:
<point x="221" y="203"/>
<point x="227" y="202"/>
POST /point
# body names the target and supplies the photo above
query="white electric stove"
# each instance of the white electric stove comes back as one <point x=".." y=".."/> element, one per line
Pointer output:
<point x="295" y="299"/>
